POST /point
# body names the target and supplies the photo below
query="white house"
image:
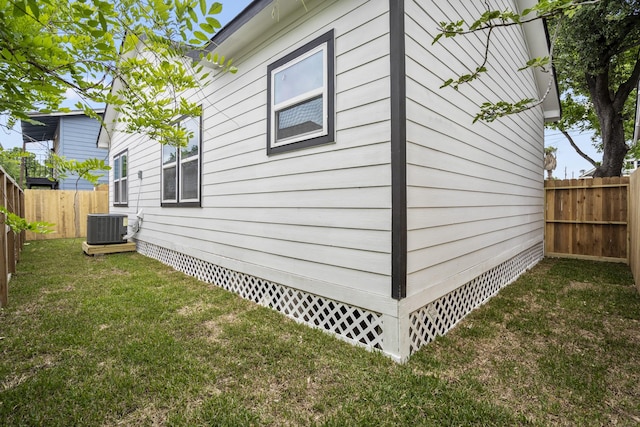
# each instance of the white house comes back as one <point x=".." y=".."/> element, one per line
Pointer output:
<point x="333" y="180"/>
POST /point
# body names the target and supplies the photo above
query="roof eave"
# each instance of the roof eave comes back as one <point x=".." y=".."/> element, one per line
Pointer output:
<point x="236" y="34"/>
<point x="48" y="124"/>
<point x="537" y="40"/>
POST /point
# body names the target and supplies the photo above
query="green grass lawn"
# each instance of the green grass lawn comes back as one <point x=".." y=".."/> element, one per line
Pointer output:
<point x="124" y="340"/>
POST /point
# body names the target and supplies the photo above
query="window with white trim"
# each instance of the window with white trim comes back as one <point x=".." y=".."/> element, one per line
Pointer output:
<point x="181" y="168"/>
<point x="301" y="92"/>
<point x="120" y="188"/>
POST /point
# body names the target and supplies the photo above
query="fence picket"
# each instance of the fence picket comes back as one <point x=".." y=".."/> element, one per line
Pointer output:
<point x="59" y="207"/>
<point x="587" y="218"/>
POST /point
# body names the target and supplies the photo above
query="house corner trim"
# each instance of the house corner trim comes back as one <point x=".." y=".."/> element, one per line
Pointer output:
<point x="398" y="151"/>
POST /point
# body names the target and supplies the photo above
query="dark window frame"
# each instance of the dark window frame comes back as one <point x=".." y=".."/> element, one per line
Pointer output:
<point x="326" y="40"/>
<point x="178" y="163"/>
<point x="118" y="181"/>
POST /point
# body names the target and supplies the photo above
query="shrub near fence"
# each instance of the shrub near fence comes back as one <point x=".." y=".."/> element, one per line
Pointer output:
<point x="587" y="218"/>
<point x="66" y="209"/>
<point x="634" y="226"/>
<point x="12" y="198"/>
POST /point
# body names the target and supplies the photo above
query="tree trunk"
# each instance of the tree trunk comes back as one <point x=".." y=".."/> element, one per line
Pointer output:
<point x="614" y="146"/>
<point x="609" y="114"/>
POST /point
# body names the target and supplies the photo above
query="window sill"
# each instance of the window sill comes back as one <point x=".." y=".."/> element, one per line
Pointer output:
<point x="180" y="205"/>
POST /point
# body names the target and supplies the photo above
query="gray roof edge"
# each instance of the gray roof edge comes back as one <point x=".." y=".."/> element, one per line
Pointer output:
<point x="255" y="7"/>
<point x="36" y="114"/>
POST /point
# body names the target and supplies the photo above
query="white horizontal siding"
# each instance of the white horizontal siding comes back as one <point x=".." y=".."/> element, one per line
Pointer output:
<point x="465" y="245"/>
<point x="143" y="156"/>
<point x="479" y="139"/>
<point x="474" y="190"/>
<point x="233" y="241"/>
<point x="464" y="181"/>
<point x="430" y="216"/>
<point x="433" y="237"/>
<point x="347" y="238"/>
<point x="252" y="164"/>
<point x="347" y="198"/>
<point x="436" y="280"/>
<point x="364" y="176"/>
<point x="320" y="214"/>
<point x="325" y="219"/>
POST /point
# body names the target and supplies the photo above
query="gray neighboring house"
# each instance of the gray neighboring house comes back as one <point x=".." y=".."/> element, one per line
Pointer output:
<point x="71" y="135"/>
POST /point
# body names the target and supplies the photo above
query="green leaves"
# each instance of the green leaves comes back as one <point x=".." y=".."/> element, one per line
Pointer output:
<point x="507" y="17"/>
<point x="548" y="8"/>
<point x="87" y="169"/>
<point x="18" y="224"/>
<point x="490" y="111"/>
<point x="485" y="24"/>
<point x="200" y="36"/>
<point x="19" y="9"/>
<point x="33" y="8"/>
<point x="215" y="8"/>
<point x="219" y="61"/>
<point x="50" y="47"/>
<point x="465" y="78"/>
<point x="540" y="62"/>
<point x="449" y="29"/>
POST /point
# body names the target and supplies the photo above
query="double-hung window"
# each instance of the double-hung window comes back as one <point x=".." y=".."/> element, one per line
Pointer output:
<point x="301" y="92"/>
<point x="181" y="168"/>
<point x="120" y="188"/>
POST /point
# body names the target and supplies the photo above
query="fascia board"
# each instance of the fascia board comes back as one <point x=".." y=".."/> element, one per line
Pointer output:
<point x="538" y="44"/>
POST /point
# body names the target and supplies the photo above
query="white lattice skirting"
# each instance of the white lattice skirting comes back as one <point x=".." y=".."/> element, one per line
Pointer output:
<point x="354" y="324"/>
<point x="439" y="316"/>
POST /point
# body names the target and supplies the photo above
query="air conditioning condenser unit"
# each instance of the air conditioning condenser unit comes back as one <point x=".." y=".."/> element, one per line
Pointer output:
<point x="106" y="229"/>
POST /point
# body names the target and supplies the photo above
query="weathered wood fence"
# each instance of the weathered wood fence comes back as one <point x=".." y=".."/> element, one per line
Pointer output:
<point x="12" y="198"/>
<point x="588" y="218"/>
<point x="634" y="226"/>
<point x="66" y="209"/>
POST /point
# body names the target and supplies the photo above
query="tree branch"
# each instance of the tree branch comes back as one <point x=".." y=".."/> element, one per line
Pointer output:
<point x="578" y="150"/>
<point x="514" y="20"/>
<point x="625" y="89"/>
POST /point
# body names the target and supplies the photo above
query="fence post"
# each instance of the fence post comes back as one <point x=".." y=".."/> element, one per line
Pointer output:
<point x="11" y="241"/>
<point x="23" y="214"/>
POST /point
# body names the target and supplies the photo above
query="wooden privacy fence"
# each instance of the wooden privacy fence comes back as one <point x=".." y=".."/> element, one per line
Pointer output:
<point x="587" y="218"/>
<point x="634" y="226"/>
<point x="66" y="209"/>
<point x="12" y="198"/>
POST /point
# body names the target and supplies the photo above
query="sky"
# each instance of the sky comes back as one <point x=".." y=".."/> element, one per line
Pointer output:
<point x="569" y="163"/>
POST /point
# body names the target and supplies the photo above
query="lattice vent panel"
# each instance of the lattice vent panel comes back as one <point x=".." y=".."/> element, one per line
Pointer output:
<point x="353" y="323"/>
<point x="439" y="316"/>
